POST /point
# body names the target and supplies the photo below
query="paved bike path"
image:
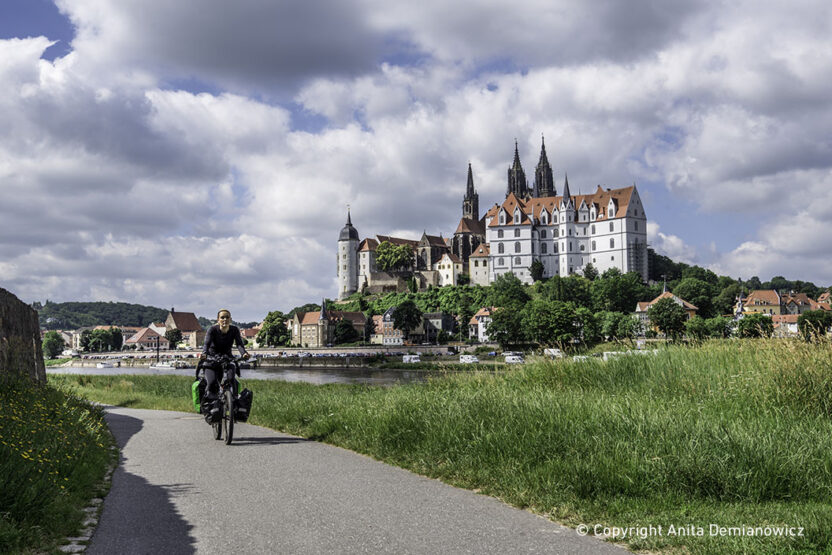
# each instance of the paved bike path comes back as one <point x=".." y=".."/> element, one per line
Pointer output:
<point x="177" y="490"/>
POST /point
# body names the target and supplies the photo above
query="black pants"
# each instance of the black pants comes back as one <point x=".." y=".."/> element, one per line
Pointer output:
<point x="213" y="373"/>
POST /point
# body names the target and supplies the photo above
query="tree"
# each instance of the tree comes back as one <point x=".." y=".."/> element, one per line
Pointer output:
<point x="345" y="332"/>
<point x="617" y="292"/>
<point x="628" y="327"/>
<point x="85" y="340"/>
<point x="589" y="329"/>
<point x="724" y="302"/>
<point x="274" y="332"/>
<point x="698" y="293"/>
<point x="550" y="322"/>
<point x="536" y="270"/>
<point x="697" y="328"/>
<point x="52" y="344"/>
<point x="719" y="326"/>
<point x="697" y="272"/>
<point x="506" y="327"/>
<point x="574" y="289"/>
<point x="390" y="257"/>
<point x="116" y="339"/>
<point x="173" y="336"/>
<point x="668" y="316"/>
<point x="814" y="323"/>
<point x="407" y="317"/>
<point x="590" y="272"/>
<point x="755" y="325"/>
<point x="507" y="291"/>
<point x="463" y="279"/>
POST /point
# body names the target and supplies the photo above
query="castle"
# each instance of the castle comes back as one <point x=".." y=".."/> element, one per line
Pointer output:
<point x="607" y="228"/>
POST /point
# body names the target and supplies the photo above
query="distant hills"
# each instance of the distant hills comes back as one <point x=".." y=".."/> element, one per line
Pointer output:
<point x="74" y="315"/>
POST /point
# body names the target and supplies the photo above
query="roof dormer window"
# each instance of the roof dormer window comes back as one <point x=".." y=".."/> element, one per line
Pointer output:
<point x="517" y="216"/>
<point x="502" y="218"/>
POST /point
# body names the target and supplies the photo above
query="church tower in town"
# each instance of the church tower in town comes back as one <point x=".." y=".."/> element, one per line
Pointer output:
<point x="544" y="182"/>
<point x="517" y="183"/>
<point x="471" y="202"/>
<point x="347" y="260"/>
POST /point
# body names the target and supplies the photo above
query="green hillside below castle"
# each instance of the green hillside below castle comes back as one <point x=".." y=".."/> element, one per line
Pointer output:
<point x="74" y="315"/>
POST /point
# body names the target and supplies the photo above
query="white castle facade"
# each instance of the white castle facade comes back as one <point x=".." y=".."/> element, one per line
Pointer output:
<point x="607" y="228"/>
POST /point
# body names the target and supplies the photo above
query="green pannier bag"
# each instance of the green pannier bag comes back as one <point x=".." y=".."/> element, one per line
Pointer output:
<point x="197" y="391"/>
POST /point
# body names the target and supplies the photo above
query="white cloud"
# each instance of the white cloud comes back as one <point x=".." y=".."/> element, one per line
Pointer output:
<point x="117" y="182"/>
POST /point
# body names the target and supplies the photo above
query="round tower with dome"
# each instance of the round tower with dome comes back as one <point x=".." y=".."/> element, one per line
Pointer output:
<point x="347" y="260"/>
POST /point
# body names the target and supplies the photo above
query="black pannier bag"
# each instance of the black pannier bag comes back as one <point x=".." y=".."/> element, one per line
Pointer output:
<point x="243" y="409"/>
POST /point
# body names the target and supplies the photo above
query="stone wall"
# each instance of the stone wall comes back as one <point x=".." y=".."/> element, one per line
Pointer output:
<point x="20" y="342"/>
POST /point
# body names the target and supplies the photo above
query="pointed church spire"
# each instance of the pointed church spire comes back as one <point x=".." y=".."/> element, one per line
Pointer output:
<point x="517" y="183"/>
<point x="566" y="194"/>
<point x="349" y="222"/>
<point x="323" y="315"/>
<point x="544" y="183"/>
<point x="469" y="191"/>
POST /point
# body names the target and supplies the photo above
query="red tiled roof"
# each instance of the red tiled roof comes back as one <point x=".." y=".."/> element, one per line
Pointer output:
<point x="784" y="318"/>
<point x="469" y="225"/>
<point x="368" y="244"/>
<point x="484" y="311"/>
<point x="668" y="294"/>
<point x="762" y="297"/>
<point x="824" y="297"/>
<point x="397" y="241"/>
<point x="142" y="335"/>
<point x="600" y="198"/>
<point x="481" y="251"/>
<point x="185" y="321"/>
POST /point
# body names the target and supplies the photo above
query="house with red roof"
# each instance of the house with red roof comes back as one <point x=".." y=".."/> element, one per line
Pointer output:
<point x="192" y="333"/>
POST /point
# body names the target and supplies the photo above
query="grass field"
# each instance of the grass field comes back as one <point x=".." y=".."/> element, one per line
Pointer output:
<point x="731" y="433"/>
<point x="54" y="451"/>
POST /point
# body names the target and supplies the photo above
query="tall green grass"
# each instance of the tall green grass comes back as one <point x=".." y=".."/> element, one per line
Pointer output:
<point x="54" y="451"/>
<point x="730" y="433"/>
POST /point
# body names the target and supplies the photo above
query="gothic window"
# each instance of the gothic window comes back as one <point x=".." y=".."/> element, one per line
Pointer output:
<point x="476" y="263"/>
<point x="501" y="248"/>
<point x="502" y="217"/>
<point x="543" y="248"/>
<point x="499" y="234"/>
<point x="517" y="246"/>
<point x="612" y="226"/>
<point x="500" y="261"/>
<point x="543" y="234"/>
<point x="543" y="217"/>
<point x="612" y="243"/>
<point x="636" y="223"/>
<point x="517" y="260"/>
<point x="517" y="216"/>
<point x="517" y="233"/>
<point x="582" y="247"/>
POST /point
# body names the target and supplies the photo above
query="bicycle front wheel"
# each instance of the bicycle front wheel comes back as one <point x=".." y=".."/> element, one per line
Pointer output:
<point x="228" y="415"/>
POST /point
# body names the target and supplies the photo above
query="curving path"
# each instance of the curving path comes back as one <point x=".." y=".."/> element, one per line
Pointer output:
<point x="177" y="490"/>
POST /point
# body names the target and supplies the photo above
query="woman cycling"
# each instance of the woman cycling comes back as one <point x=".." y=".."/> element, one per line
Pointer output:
<point x="218" y="342"/>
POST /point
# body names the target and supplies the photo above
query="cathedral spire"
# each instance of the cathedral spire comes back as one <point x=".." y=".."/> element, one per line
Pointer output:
<point x="566" y="195"/>
<point x="517" y="183"/>
<point x="544" y="183"/>
<point x="471" y="202"/>
<point x="323" y="315"/>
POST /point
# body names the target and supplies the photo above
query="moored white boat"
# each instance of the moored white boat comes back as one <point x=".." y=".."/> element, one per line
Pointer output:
<point x="104" y="365"/>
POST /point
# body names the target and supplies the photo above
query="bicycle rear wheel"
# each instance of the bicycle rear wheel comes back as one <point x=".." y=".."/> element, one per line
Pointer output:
<point x="228" y="415"/>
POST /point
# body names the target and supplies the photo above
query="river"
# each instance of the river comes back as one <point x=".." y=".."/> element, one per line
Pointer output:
<point x="318" y="376"/>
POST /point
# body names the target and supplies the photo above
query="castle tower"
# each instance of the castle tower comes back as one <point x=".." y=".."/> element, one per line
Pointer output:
<point x="544" y="183"/>
<point x="347" y="260"/>
<point x="471" y="202"/>
<point x="517" y="183"/>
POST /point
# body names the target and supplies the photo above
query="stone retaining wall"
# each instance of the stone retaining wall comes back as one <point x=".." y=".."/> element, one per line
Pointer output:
<point x="20" y="342"/>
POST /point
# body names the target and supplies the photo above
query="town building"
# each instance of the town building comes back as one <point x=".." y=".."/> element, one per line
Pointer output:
<point x="317" y="329"/>
<point x="606" y="228"/>
<point x="478" y="326"/>
<point x="146" y="339"/>
<point x="192" y="333"/>
<point x="642" y="308"/>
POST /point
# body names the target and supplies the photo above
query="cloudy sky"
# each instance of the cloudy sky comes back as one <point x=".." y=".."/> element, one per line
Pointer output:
<point x="202" y="153"/>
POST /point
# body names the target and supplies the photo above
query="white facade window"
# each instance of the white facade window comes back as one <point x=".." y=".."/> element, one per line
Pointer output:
<point x="499" y="234"/>
<point x="517" y="233"/>
<point x="612" y="243"/>
<point x="517" y="260"/>
<point x="502" y="217"/>
<point x="612" y="226"/>
<point x="543" y="249"/>
<point x="517" y="246"/>
<point x="593" y="245"/>
<point x="501" y="248"/>
<point x="542" y="233"/>
<point x="636" y="224"/>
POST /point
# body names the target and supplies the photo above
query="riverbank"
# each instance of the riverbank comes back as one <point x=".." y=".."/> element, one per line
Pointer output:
<point x="735" y="434"/>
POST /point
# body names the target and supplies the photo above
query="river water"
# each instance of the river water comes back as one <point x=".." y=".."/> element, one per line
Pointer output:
<point x="318" y="376"/>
